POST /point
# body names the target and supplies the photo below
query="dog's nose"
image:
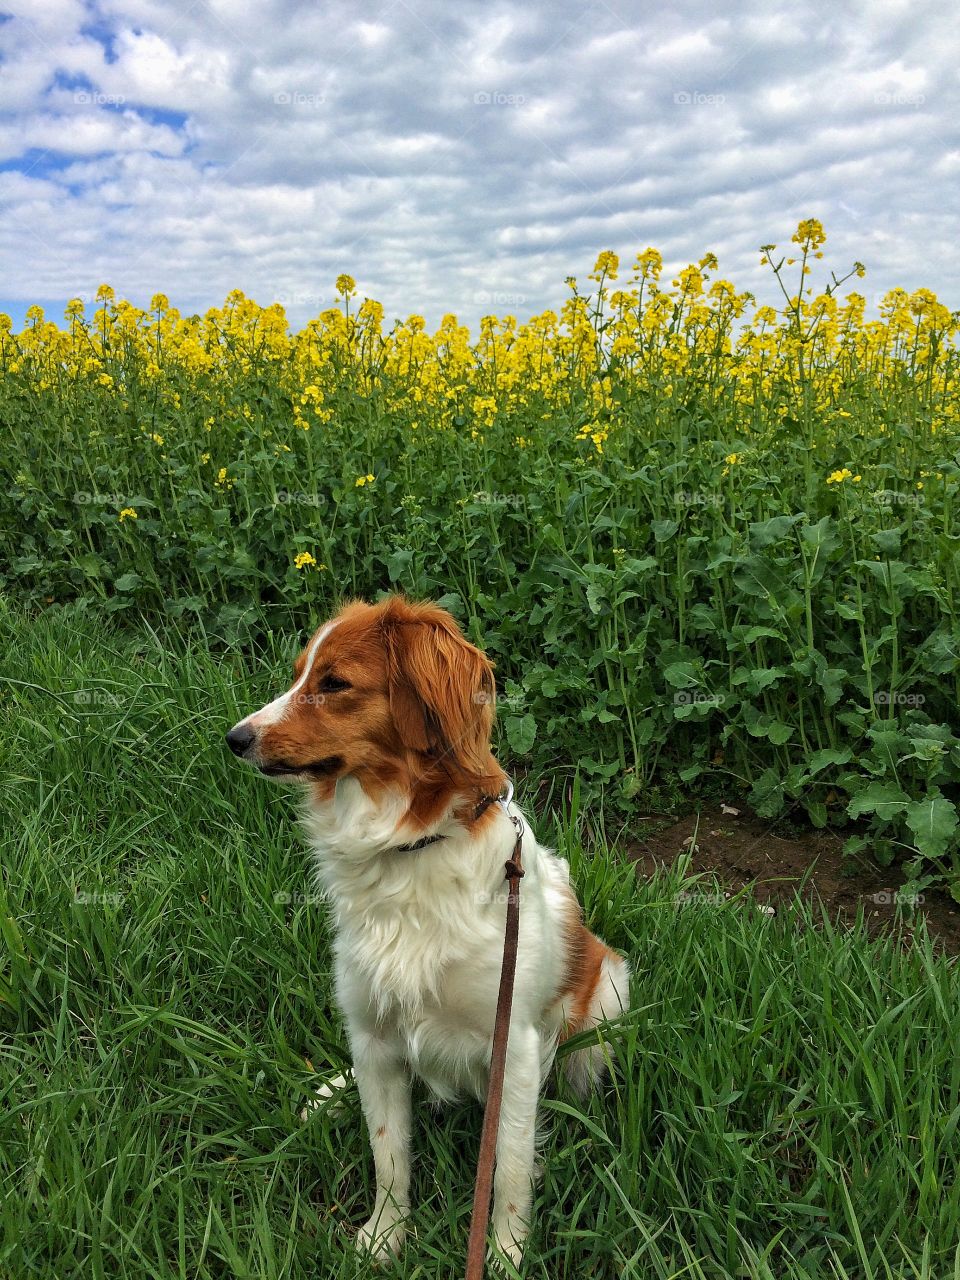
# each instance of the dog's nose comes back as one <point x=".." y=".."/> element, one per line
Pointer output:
<point x="240" y="738"/>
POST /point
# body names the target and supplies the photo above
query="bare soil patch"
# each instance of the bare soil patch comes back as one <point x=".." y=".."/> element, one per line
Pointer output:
<point x="741" y="850"/>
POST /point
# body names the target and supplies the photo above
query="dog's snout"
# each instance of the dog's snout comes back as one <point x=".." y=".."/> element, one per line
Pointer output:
<point x="240" y="739"/>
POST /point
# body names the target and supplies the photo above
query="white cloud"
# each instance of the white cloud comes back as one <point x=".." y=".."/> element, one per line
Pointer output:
<point x="449" y="157"/>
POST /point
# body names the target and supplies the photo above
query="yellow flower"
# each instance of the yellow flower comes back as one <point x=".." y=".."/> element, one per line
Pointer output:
<point x="159" y="302"/>
<point x="809" y="235"/>
<point x="362" y="480"/>
<point x="304" y="560"/>
<point x="732" y="458"/>
<point x="157" y="439"/>
<point x="607" y="264"/>
<point x="204" y="457"/>
<point x="223" y="480"/>
<point x="346" y="285"/>
<point x="649" y="263"/>
<point x="127" y="513"/>
<point x="105" y="294"/>
<point x="593" y="431"/>
<point x="838" y="477"/>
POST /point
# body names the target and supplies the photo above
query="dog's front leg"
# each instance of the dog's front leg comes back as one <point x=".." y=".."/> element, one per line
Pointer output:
<point x="385" y="1092"/>
<point x="513" y="1180"/>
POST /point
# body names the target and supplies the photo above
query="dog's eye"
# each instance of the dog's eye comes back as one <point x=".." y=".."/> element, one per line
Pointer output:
<point x="333" y="684"/>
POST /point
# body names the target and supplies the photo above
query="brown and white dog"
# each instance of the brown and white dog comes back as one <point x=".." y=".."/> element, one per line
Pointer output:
<point x="387" y="726"/>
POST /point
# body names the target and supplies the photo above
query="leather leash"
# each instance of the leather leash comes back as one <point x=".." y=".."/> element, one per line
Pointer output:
<point x="501" y="1028"/>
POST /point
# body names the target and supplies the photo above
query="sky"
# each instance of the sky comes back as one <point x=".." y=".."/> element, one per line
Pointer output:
<point x="467" y="157"/>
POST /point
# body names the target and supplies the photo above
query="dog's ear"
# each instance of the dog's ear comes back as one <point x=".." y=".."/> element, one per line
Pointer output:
<point x="441" y="687"/>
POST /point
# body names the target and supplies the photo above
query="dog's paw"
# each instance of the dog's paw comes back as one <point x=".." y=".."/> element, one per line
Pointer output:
<point x="382" y="1237"/>
<point x="508" y="1240"/>
<point x="328" y="1097"/>
<point x="504" y="1261"/>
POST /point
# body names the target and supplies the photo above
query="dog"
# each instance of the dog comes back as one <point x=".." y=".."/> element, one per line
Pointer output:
<point x="387" y="729"/>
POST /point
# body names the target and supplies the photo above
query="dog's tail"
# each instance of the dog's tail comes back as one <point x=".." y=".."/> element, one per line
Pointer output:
<point x="604" y="992"/>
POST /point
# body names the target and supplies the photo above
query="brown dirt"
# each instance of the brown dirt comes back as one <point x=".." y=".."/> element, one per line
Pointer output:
<point x="742" y="850"/>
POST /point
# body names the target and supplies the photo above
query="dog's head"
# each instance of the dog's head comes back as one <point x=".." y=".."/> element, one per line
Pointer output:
<point x="391" y="694"/>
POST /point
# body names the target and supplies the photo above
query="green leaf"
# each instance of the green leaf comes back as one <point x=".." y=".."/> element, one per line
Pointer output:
<point x="885" y="799"/>
<point x="890" y="573"/>
<point x="521" y="733"/>
<point x="596" y="597"/>
<point x="816" y="812"/>
<point x="761" y="725"/>
<point x="764" y="533"/>
<point x="397" y="563"/>
<point x="822" y="538"/>
<point x="887" y="541"/>
<point x="761" y="678"/>
<point x="766" y="796"/>
<point x="755" y="576"/>
<point x="128" y="582"/>
<point x="752" y="634"/>
<point x="820" y="760"/>
<point x="91" y="565"/>
<point x="933" y="821"/>
<point x="663" y="529"/>
<point x="682" y="675"/>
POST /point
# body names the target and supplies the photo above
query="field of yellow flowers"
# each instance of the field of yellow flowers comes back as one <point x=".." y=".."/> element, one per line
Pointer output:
<point x="702" y="539"/>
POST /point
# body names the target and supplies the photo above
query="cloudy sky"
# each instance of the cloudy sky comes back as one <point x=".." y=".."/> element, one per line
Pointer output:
<point x="466" y="157"/>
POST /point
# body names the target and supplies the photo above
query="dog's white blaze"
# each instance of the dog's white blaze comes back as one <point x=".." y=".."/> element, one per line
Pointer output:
<point x="276" y="710"/>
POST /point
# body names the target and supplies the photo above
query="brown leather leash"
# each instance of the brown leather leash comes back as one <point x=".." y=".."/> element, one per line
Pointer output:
<point x="501" y="1028"/>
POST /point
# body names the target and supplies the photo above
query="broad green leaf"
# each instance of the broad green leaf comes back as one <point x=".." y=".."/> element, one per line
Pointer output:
<point x="885" y="799"/>
<point x="521" y="733"/>
<point x="765" y="532"/>
<point x="933" y="821"/>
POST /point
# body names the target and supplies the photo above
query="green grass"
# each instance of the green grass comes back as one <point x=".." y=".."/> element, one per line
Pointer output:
<point x="787" y="1097"/>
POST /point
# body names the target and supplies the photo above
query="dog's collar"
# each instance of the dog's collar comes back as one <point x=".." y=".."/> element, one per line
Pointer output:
<point x="419" y="844"/>
<point x="483" y="805"/>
